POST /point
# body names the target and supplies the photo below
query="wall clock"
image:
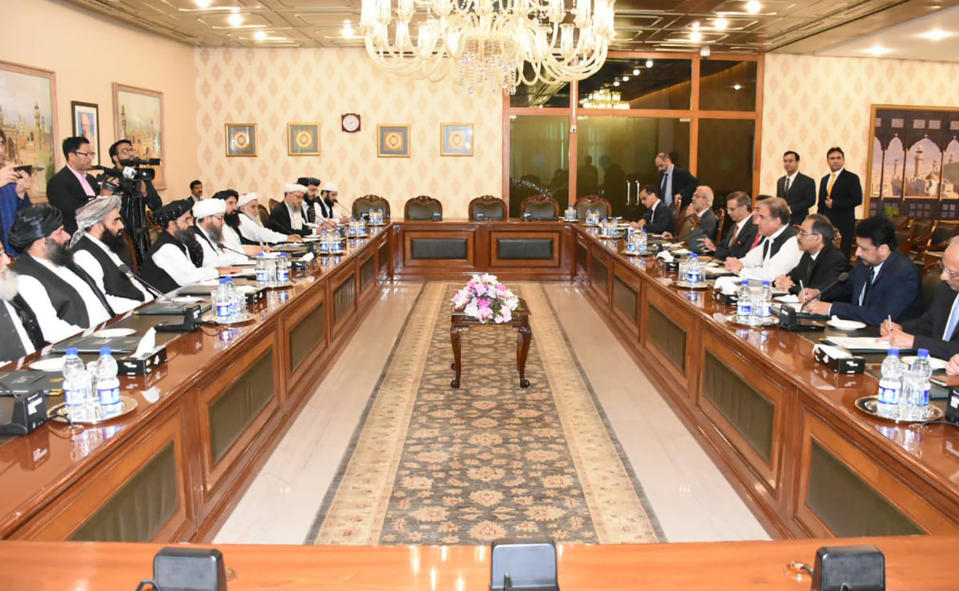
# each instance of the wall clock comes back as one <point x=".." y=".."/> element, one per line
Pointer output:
<point x="350" y="122"/>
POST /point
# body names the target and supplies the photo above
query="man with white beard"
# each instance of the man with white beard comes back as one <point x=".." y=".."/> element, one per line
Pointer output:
<point x="17" y="321"/>
<point x="252" y="229"/>
<point x="209" y="233"/>
<point x="231" y="225"/>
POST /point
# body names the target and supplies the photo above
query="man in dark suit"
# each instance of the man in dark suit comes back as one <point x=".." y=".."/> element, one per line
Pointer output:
<point x="134" y="196"/>
<point x="821" y="262"/>
<point x="742" y="234"/>
<point x="839" y="194"/>
<point x="72" y="187"/>
<point x="884" y="284"/>
<point x="674" y="182"/>
<point x="700" y="221"/>
<point x="797" y="189"/>
<point x="658" y="217"/>
<point x="936" y="329"/>
<point x="288" y="217"/>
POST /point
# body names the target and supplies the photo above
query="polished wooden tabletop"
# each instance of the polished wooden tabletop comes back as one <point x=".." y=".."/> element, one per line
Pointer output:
<point x="53" y="455"/>
<point x="920" y="563"/>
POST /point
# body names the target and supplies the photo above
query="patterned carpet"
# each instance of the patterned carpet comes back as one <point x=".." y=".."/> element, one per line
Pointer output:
<point x="430" y="464"/>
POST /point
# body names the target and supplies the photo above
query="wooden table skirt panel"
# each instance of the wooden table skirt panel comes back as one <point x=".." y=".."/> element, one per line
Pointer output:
<point x="306" y="325"/>
<point x="626" y="298"/>
<point x="511" y="248"/>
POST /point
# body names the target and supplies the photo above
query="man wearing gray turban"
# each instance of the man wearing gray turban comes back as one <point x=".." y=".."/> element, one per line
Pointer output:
<point x="98" y="239"/>
<point x="169" y="265"/>
<point x="63" y="297"/>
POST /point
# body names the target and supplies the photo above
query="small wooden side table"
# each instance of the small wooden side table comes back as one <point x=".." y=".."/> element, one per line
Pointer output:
<point x="460" y="323"/>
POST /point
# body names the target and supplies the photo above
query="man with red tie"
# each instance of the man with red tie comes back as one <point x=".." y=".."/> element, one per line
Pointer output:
<point x="742" y="235"/>
<point x="840" y="192"/>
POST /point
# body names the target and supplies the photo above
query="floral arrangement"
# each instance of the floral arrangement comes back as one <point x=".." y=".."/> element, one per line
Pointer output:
<point x="485" y="298"/>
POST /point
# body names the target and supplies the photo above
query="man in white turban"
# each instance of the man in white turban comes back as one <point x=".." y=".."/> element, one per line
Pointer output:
<point x="209" y="232"/>
<point x="288" y="217"/>
<point x="330" y="209"/>
<point x="251" y="227"/>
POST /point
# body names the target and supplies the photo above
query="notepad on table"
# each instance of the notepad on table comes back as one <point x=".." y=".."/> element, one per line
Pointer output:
<point x="859" y="344"/>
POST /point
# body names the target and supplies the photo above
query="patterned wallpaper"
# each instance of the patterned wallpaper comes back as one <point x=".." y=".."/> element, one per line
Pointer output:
<point x="273" y="87"/>
<point x="812" y="103"/>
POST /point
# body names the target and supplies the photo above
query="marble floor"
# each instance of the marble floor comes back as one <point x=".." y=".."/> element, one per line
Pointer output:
<point x="691" y="498"/>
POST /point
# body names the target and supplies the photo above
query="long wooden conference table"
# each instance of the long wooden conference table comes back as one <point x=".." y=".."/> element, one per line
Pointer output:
<point x="782" y="428"/>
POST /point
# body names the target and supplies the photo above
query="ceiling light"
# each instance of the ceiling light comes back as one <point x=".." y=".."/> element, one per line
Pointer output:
<point x="235" y="19"/>
<point x="635" y="71"/>
<point x="259" y="35"/>
<point x="649" y="63"/>
<point x="936" y="35"/>
<point x="704" y="52"/>
<point x="202" y="3"/>
<point x="347" y="29"/>
<point x="737" y="86"/>
<point x="695" y="25"/>
<point x="695" y="36"/>
<point x="877" y="50"/>
<point x="720" y="23"/>
<point x="615" y="82"/>
<point x="625" y="78"/>
<point x="753" y="6"/>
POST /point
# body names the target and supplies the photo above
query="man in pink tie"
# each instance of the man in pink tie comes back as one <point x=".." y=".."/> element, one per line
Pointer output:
<point x="72" y="187"/>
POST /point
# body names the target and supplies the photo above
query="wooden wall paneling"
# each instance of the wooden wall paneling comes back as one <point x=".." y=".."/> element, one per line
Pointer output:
<point x="81" y="502"/>
<point x="554" y="237"/>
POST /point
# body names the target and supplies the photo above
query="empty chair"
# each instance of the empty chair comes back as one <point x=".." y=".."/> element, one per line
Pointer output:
<point x="423" y="207"/>
<point x="931" y="278"/>
<point x="539" y="207"/>
<point x="592" y="202"/>
<point x="362" y="205"/>
<point x="942" y="234"/>
<point x="487" y="208"/>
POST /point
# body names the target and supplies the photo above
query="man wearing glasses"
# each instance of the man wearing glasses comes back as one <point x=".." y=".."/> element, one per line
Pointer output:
<point x="936" y="329"/>
<point x="742" y="236"/>
<point x="72" y="187"/>
<point x="209" y="215"/>
<point x="821" y="262"/>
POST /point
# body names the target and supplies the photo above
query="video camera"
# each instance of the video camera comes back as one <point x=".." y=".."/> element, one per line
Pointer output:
<point x="131" y="171"/>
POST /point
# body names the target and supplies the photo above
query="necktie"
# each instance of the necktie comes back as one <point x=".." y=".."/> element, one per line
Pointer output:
<point x="832" y="181"/>
<point x="953" y="320"/>
<point x="652" y="214"/>
<point x="756" y="241"/>
<point x="867" y="287"/>
<point x="12" y="346"/>
<point x="786" y="188"/>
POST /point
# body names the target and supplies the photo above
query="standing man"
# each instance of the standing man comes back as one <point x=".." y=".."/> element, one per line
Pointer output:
<point x="839" y="194"/>
<point x="674" y="182"/>
<point x="797" y="189"/>
<point x="742" y="235"/>
<point x="136" y="196"/>
<point x="884" y="284"/>
<point x="777" y="251"/>
<point x="821" y="262"/>
<point x="13" y="192"/>
<point x="196" y="191"/>
<point x="658" y="217"/>
<point x="72" y="187"/>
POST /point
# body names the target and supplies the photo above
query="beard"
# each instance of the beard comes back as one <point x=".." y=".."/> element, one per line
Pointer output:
<point x="232" y="219"/>
<point x="187" y="236"/>
<point x="215" y="233"/>
<point x="114" y="242"/>
<point x="8" y="285"/>
<point x="58" y="253"/>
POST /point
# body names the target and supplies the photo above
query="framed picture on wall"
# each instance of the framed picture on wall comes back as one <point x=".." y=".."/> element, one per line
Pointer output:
<point x="86" y="123"/>
<point x="138" y="117"/>
<point x="303" y="139"/>
<point x="241" y="139"/>
<point x="456" y="139"/>
<point x="29" y="122"/>
<point x="393" y="141"/>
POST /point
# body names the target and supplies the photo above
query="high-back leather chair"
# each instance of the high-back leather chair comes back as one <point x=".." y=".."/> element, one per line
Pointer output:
<point x="273" y="204"/>
<point x="362" y="205"/>
<point x="944" y="232"/>
<point x="931" y="278"/>
<point x="720" y="222"/>
<point x="422" y="208"/>
<point x="539" y="207"/>
<point x="492" y="208"/>
<point x="591" y="202"/>
<point x="264" y="214"/>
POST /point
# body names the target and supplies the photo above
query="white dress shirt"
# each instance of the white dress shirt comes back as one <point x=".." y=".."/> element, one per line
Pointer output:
<point x="790" y="179"/>
<point x="214" y="256"/>
<point x="88" y="263"/>
<point x="740" y="224"/>
<point x="180" y="268"/>
<point x="53" y="327"/>
<point x="231" y="239"/>
<point x="784" y="261"/>
<point x="254" y="231"/>
<point x="22" y="332"/>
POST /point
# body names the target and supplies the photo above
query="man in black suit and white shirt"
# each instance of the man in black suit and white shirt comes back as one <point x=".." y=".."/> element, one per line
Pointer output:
<point x="821" y="262"/>
<point x="797" y="189"/>
<point x="72" y="187"/>
<point x="839" y="194"/>
<point x="659" y="217"/>
<point x="742" y="235"/>
<point x="674" y="182"/>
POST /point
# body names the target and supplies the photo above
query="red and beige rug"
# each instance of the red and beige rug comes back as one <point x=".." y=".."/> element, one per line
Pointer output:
<point x="430" y="464"/>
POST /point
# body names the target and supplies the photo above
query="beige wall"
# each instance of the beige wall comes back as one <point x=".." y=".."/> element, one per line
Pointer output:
<point x="273" y="87"/>
<point x="813" y="103"/>
<point x="88" y="53"/>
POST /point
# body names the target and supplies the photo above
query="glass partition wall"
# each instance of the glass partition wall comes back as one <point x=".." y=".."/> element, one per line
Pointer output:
<point x="601" y="136"/>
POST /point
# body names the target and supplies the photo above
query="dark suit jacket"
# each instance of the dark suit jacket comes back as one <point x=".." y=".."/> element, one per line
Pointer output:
<point x="737" y="245"/>
<point x="684" y="183"/>
<point x="895" y="292"/>
<point x="280" y="220"/>
<point x="801" y="196"/>
<point x="708" y="224"/>
<point x="65" y="193"/>
<point x="928" y="328"/>
<point x="663" y="221"/>
<point x="818" y="273"/>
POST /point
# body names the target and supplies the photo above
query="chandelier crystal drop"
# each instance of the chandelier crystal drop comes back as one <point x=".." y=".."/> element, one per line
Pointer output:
<point x="489" y="44"/>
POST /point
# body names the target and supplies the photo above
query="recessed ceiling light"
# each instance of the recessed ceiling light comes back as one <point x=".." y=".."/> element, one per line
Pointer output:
<point x="737" y="86"/>
<point x="615" y="82"/>
<point x="877" y="50"/>
<point x="695" y="36"/>
<point x="649" y="63"/>
<point x="347" y="29"/>
<point x="202" y="3"/>
<point x="695" y="25"/>
<point x="625" y="78"/>
<point x="635" y="71"/>
<point x="235" y="19"/>
<point x="259" y="35"/>
<point x="936" y="35"/>
<point x="753" y="6"/>
<point x="720" y="23"/>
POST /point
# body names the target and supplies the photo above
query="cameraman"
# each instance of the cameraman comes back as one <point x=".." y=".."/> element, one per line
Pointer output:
<point x="134" y="193"/>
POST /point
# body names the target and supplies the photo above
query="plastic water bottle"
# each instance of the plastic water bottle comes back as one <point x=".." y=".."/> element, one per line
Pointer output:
<point x="915" y="390"/>
<point x="222" y="302"/>
<point x="283" y="269"/>
<point x="693" y="271"/>
<point x="76" y="384"/>
<point x="262" y="275"/>
<point x="744" y="303"/>
<point x="643" y="239"/>
<point x="890" y="385"/>
<point x="108" y="386"/>
<point x="761" y="308"/>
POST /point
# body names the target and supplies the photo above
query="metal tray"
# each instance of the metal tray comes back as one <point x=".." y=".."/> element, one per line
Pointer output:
<point x="239" y="319"/>
<point x="869" y="404"/>
<point x="733" y="319"/>
<point x="687" y="285"/>
<point x="58" y="412"/>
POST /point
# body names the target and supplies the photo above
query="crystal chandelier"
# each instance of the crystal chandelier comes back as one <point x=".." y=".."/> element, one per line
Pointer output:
<point x="492" y="44"/>
<point x="604" y="98"/>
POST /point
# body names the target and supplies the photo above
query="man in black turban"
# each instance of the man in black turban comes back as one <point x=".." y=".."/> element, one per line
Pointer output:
<point x="170" y="265"/>
<point x="63" y="297"/>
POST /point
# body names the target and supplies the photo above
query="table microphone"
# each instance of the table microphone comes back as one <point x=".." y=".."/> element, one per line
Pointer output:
<point x="840" y="279"/>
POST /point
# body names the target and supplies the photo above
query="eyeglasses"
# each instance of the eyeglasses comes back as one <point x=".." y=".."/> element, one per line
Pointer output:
<point x="127" y="150"/>
<point x="90" y="154"/>
<point x="952" y="274"/>
<point x="806" y="234"/>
